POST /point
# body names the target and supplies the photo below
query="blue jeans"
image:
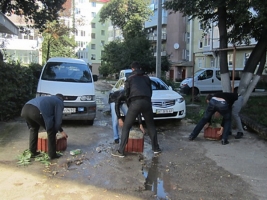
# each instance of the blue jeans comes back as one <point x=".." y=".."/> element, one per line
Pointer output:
<point x="223" y="108"/>
<point x="115" y="123"/>
<point x="235" y="113"/>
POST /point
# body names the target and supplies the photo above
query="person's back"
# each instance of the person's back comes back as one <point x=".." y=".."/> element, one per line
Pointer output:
<point x="140" y="85"/>
<point x="138" y="92"/>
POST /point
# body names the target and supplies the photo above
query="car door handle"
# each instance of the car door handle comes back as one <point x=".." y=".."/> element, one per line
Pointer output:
<point x="212" y="80"/>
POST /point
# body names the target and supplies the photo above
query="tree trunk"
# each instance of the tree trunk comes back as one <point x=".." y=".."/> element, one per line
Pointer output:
<point x="226" y="87"/>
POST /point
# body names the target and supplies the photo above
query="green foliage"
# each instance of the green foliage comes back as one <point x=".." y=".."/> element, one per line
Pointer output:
<point x="36" y="12"/>
<point x="128" y="15"/>
<point x="43" y="158"/>
<point x="57" y="41"/>
<point x="118" y="55"/>
<point x="18" y="85"/>
<point x="24" y="159"/>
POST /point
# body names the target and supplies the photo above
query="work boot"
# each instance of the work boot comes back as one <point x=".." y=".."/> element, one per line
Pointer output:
<point x="239" y="135"/>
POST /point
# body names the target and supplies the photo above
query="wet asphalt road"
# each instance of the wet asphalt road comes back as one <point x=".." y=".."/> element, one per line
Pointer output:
<point x="200" y="169"/>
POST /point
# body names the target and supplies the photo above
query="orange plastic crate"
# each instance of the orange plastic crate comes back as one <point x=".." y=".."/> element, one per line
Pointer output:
<point x="42" y="145"/>
<point x="211" y="133"/>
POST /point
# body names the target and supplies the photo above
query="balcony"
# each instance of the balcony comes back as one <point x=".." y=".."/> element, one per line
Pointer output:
<point x="163" y="53"/>
<point x="153" y="36"/>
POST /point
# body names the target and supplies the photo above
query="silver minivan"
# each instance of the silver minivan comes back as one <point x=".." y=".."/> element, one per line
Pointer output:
<point x="72" y="78"/>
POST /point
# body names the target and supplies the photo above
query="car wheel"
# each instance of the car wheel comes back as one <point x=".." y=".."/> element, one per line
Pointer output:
<point x="89" y="122"/>
<point x="196" y="91"/>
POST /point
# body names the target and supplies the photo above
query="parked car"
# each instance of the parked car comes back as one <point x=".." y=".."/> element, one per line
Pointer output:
<point x="125" y="73"/>
<point x="208" y="80"/>
<point x="72" y="78"/>
<point x="166" y="103"/>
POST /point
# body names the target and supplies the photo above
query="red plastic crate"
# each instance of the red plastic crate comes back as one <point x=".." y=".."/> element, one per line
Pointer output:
<point x="42" y="145"/>
<point x="211" y="133"/>
<point x="135" y="142"/>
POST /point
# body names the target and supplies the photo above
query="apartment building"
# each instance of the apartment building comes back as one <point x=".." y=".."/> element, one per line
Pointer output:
<point x="90" y="34"/>
<point x="18" y="42"/>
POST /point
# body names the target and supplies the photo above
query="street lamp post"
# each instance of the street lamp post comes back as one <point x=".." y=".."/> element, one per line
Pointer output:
<point x="159" y="28"/>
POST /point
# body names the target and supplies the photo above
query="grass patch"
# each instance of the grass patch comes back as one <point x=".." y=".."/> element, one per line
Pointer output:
<point x="254" y="109"/>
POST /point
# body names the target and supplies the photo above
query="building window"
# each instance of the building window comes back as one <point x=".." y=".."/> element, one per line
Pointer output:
<point x="77" y="11"/>
<point x="93" y="4"/>
<point x="102" y="32"/>
<point x="92" y="25"/>
<point x="93" y="14"/>
<point x="201" y="26"/>
<point x="93" y="35"/>
<point x="246" y="56"/>
<point x="93" y="57"/>
<point x="230" y="59"/>
<point x="200" y="44"/>
<point x="187" y="38"/>
<point x="92" y="46"/>
<point x="102" y="43"/>
<point x="200" y="62"/>
<point x="82" y="33"/>
<point x="207" y="40"/>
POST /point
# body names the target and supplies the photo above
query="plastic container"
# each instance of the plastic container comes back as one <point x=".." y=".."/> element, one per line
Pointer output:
<point x="75" y="152"/>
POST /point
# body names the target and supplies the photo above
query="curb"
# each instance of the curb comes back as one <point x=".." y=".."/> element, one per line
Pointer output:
<point x="258" y="128"/>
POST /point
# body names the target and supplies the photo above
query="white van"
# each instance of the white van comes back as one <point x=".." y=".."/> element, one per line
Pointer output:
<point x="208" y="80"/>
<point x="72" y="78"/>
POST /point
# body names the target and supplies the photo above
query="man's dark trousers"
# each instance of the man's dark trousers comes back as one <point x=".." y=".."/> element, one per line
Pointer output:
<point x="142" y="105"/>
<point x="34" y="120"/>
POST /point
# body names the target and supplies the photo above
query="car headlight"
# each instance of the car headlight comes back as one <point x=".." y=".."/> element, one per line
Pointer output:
<point x="180" y="100"/>
<point x="87" y="98"/>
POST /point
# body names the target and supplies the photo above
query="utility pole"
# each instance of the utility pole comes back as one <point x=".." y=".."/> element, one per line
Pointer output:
<point x="159" y="30"/>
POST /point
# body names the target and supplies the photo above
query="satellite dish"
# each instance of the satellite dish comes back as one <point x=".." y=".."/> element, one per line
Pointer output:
<point x="176" y="46"/>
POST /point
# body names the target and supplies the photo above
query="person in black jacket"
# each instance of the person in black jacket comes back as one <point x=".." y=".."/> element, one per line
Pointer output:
<point x="138" y="92"/>
<point x="221" y="102"/>
<point x="45" y="111"/>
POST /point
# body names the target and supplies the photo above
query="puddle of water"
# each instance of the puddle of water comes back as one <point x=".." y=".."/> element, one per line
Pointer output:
<point x="154" y="181"/>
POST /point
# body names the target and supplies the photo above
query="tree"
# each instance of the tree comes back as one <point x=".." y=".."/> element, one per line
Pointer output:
<point x="57" y="41"/>
<point x="37" y="13"/>
<point x="234" y="28"/>
<point x="127" y="15"/>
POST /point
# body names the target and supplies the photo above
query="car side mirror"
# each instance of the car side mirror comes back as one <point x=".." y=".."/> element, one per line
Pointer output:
<point x="95" y="77"/>
<point x="170" y="88"/>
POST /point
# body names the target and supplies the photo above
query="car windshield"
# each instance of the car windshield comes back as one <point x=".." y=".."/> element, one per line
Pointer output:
<point x="67" y="72"/>
<point x="197" y="73"/>
<point x="158" y="84"/>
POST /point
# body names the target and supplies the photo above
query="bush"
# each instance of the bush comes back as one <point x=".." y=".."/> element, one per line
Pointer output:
<point x="18" y="85"/>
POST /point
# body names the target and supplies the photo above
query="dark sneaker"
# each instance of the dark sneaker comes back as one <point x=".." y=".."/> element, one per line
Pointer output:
<point x="225" y="142"/>
<point x="57" y="155"/>
<point x="36" y="154"/>
<point x="117" y="153"/>
<point x="158" y="150"/>
<point x="117" y="141"/>
<point x="239" y="135"/>
<point x="191" y="137"/>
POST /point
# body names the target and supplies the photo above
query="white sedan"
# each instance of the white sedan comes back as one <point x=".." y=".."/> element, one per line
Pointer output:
<point x="166" y="103"/>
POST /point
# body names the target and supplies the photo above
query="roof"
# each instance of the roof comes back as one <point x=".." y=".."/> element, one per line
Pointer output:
<point x="7" y="26"/>
<point x="69" y="60"/>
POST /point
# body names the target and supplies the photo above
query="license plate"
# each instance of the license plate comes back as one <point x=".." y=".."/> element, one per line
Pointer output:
<point x="163" y="111"/>
<point x="69" y="110"/>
